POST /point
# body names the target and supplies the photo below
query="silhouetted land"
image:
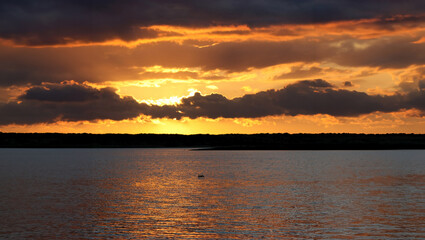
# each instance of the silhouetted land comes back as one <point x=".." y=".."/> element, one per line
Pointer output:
<point x="215" y="142"/>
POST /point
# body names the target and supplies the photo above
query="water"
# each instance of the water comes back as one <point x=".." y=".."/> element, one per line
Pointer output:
<point x="155" y="193"/>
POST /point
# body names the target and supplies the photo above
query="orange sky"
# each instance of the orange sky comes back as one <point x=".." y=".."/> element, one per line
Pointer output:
<point x="357" y="75"/>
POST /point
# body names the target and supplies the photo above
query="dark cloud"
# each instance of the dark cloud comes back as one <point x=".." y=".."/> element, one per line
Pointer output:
<point x="300" y="72"/>
<point x="304" y="97"/>
<point x="20" y="66"/>
<point x="394" y="22"/>
<point x="46" y="104"/>
<point x="309" y="97"/>
<point x="45" y="22"/>
<point x="61" y="93"/>
<point x="416" y="100"/>
<point x="4" y="94"/>
<point x="383" y="53"/>
<point x="413" y="80"/>
<point x="348" y="84"/>
<point x="234" y="56"/>
<point x="421" y="85"/>
<point x="108" y="63"/>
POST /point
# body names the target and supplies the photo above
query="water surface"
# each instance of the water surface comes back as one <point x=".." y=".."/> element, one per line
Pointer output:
<point x="155" y="193"/>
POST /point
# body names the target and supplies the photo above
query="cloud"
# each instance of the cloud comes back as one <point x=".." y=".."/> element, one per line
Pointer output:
<point x="70" y="101"/>
<point x="393" y="52"/>
<point x="179" y="75"/>
<point x="300" y="72"/>
<point x="21" y="66"/>
<point x="66" y="92"/>
<point x="421" y="84"/>
<point x="47" y="22"/>
<point x="307" y="97"/>
<point x="4" y="94"/>
<point x="348" y="84"/>
<point x="111" y="63"/>
<point x="413" y="80"/>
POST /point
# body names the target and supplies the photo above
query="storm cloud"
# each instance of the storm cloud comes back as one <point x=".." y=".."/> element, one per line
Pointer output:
<point x="70" y="101"/>
<point x="46" y="22"/>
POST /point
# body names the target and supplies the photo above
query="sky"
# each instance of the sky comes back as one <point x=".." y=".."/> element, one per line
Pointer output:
<point x="224" y="66"/>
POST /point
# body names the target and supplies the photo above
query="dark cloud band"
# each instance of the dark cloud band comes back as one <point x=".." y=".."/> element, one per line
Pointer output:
<point x="46" y="22"/>
<point x="20" y="66"/>
<point x="78" y="102"/>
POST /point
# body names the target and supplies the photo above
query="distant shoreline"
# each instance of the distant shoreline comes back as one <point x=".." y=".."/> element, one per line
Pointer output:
<point x="201" y="142"/>
<point x="306" y="148"/>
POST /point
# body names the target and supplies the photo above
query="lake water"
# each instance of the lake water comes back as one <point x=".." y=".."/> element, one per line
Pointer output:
<point x="156" y="193"/>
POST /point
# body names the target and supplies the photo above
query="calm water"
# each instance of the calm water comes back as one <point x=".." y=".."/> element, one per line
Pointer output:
<point x="155" y="193"/>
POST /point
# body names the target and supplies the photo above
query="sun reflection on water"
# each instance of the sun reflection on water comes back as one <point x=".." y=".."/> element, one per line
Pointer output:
<point x="156" y="193"/>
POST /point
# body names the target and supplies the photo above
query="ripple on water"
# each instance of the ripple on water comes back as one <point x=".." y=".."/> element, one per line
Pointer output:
<point x="156" y="193"/>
